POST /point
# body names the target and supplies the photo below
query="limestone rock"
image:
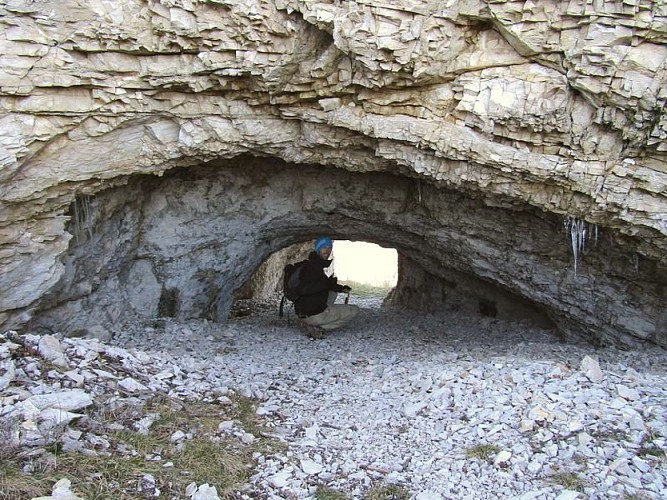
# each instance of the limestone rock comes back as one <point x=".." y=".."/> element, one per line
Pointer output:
<point x="591" y="368"/>
<point x="61" y="491"/>
<point x="50" y="349"/>
<point x="526" y="112"/>
<point x="74" y="399"/>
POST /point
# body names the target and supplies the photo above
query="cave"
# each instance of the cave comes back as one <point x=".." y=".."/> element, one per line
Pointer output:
<point x="163" y="159"/>
<point x="188" y="243"/>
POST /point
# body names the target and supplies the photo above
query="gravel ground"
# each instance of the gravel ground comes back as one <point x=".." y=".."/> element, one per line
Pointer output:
<point x="444" y="406"/>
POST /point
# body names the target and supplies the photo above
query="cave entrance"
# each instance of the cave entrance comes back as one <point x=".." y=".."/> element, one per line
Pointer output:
<point x="193" y="242"/>
<point x="183" y="245"/>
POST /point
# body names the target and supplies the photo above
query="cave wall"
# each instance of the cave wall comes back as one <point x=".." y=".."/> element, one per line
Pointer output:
<point x="195" y="236"/>
<point x="266" y="283"/>
<point x="556" y="107"/>
<point x="419" y="289"/>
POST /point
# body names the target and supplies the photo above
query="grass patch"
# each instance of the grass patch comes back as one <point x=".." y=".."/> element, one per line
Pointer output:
<point x="100" y="477"/>
<point x="204" y="456"/>
<point x="482" y="451"/>
<point x="16" y="484"/>
<point x="388" y="492"/>
<point x="652" y="450"/>
<point x="205" y="461"/>
<point x="326" y="493"/>
<point x="569" y="481"/>
<point x="366" y="290"/>
<point x="245" y="412"/>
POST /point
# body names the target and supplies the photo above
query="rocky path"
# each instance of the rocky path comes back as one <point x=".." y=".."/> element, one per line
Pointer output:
<point x="441" y="407"/>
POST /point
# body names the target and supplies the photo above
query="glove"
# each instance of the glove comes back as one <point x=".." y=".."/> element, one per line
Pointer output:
<point x="345" y="288"/>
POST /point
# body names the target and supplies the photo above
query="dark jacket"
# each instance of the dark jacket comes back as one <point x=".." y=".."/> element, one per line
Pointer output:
<point x="314" y="286"/>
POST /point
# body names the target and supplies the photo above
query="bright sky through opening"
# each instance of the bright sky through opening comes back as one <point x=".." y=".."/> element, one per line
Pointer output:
<point x="365" y="263"/>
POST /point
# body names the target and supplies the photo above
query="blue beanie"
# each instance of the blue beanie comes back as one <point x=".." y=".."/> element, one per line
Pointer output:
<point x="322" y="242"/>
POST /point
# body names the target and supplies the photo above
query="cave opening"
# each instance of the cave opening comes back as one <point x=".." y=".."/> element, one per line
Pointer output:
<point x="367" y="265"/>
<point x="194" y="242"/>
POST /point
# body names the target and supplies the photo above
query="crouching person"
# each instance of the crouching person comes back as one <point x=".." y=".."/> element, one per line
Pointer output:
<point x="317" y="293"/>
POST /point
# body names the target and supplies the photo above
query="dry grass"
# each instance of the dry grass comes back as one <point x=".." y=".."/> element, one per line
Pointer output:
<point x="482" y="451"/>
<point x="204" y="457"/>
<point x="388" y="492"/>
<point x="380" y="492"/>
<point x="15" y="485"/>
<point x="326" y="493"/>
<point x="569" y="481"/>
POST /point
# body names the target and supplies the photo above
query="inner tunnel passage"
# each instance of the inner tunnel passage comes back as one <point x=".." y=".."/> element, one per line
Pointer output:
<point x="417" y="290"/>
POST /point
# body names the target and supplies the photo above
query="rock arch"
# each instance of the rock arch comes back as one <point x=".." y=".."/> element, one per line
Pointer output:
<point x="476" y="127"/>
<point x="183" y="243"/>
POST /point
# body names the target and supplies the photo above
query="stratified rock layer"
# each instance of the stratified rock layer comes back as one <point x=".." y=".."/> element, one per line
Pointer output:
<point x="526" y="113"/>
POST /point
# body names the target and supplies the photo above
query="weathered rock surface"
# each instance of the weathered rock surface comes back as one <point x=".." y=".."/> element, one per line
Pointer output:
<point x="542" y="110"/>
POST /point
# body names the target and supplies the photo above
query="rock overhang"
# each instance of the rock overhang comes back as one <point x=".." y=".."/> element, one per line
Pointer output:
<point x="195" y="235"/>
<point x="525" y="116"/>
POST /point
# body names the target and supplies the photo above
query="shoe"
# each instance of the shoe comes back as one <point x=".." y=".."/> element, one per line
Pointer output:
<point x="313" y="332"/>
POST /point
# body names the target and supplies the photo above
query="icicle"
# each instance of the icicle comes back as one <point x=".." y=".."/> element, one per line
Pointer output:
<point x="419" y="192"/>
<point x="88" y="218"/>
<point x="82" y="220"/>
<point x="575" y="246"/>
<point x="577" y="231"/>
<point x="76" y="220"/>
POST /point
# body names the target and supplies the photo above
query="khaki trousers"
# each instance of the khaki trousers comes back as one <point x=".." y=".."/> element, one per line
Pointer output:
<point x="334" y="316"/>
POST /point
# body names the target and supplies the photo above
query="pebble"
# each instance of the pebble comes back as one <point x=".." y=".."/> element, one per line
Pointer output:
<point x="568" y="495"/>
<point x="628" y="393"/>
<point x="591" y="369"/>
<point x="51" y="350"/>
<point x="311" y="467"/>
<point x="394" y="398"/>
<point x="61" y="491"/>
<point x="202" y="492"/>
